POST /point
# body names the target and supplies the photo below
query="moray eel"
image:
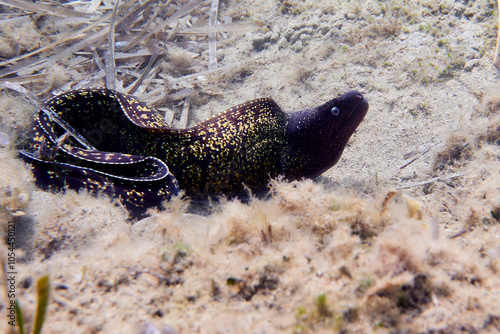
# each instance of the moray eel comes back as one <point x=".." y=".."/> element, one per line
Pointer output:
<point x="112" y="143"/>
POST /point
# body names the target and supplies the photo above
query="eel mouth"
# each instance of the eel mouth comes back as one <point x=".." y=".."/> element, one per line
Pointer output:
<point x="358" y="111"/>
<point x="362" y="106"/>
<point x="358" y="107"/>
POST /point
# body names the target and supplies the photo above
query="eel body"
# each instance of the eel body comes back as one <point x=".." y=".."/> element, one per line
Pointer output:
<point x="105" y="141"/>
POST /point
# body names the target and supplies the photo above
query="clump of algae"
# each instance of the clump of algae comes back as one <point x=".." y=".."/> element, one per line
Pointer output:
<point x="307" y="259"/>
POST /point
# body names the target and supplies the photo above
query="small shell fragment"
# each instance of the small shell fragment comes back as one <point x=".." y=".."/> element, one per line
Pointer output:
<point x="17" y="202"/>
<point x="414" y="208"/>
<point x="4" y="139"/>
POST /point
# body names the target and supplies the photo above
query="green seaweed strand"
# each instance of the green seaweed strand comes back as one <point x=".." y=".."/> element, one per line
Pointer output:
<point x="43" y="290"/>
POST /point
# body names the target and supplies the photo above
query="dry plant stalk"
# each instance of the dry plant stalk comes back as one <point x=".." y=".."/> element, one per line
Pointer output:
<point x="496" y="60"/>
<point x="212" y="41"/>
<point x="128" y="60"/>
<point x="109" y="56"/>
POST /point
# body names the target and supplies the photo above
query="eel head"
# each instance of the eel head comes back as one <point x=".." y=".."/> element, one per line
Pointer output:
<point x="317" y="136"/>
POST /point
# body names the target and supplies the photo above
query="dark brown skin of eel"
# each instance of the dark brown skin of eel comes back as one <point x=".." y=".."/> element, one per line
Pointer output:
<point x="105" y="141"/>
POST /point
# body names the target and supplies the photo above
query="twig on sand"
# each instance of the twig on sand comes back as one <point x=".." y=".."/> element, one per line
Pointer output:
<point x="184" y="10"/>
<point x="146" y="71"/>
<point x="109" y="57"/>
<point x="496" y="60"/>
<point x="421" y="154"/>
<point x="212" y="40"/>
<point x="20" y="89"/>
<point x="184" y="115"/>
<point x="439" y="178"/>
<point x="460" y="233"/>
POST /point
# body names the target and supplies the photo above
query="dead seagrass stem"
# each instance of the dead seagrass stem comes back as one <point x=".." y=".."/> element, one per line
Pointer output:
<point x="496" y="60"/>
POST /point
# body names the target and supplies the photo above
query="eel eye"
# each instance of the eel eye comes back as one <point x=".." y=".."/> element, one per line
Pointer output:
<point x="335" y="111"/>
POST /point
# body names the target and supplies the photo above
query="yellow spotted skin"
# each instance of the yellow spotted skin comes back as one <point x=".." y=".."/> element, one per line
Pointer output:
<point x="112" y="132"/>
<point x="241" y="146"/>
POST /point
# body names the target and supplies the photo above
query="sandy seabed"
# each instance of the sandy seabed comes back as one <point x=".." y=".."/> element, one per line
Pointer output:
<point x="401" y="236"/>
